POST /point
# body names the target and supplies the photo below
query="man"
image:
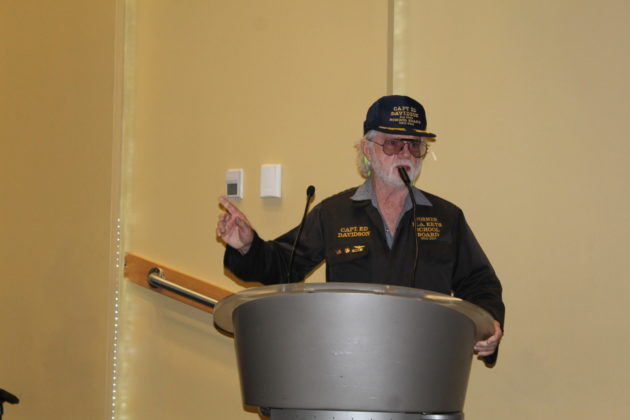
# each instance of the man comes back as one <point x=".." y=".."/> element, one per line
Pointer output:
<point x="366" y="235"/>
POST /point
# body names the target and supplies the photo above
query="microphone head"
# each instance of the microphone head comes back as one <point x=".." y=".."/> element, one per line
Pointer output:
<point x="6" y="396"/>
<point x="310" y="191"/>
<point x="403" y="175"/>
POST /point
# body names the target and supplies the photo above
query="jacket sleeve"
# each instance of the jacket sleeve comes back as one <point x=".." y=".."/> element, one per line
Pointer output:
<point x="474" y="278"/>
<point x="267" y="262"/>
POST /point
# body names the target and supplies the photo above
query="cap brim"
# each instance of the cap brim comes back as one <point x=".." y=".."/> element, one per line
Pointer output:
<point x="409" y="132"/>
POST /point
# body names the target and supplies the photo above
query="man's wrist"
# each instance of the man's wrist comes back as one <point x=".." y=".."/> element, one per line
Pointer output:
<point x="244" y="249"/>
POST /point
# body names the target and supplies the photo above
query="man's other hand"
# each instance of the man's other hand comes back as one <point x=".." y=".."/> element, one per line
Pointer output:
<point x="489" y="345"/>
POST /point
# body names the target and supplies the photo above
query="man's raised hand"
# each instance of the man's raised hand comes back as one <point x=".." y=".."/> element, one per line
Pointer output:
<point x="233" y="227"/>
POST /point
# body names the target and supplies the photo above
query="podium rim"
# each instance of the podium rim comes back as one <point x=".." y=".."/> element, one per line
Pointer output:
<point x="224" y="309"/>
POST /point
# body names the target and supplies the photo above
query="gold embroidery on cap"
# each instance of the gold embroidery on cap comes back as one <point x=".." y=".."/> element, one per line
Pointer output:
<point x="402" y="129"/>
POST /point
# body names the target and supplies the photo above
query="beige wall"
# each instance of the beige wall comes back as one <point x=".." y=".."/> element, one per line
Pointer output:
<point x="218" y="85"/>
<point x="530" y="101"/>
<point x="511" y="88"/>
<point x="57" y="129"/>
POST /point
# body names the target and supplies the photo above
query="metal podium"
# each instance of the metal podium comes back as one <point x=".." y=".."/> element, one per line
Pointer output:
<point x="348" y="351"/>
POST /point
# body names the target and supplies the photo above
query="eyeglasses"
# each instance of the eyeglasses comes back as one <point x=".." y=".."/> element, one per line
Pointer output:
<point x="418" y="149"/>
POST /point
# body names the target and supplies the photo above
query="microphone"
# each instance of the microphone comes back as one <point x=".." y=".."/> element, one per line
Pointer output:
<point x="403" y="175"/>
<point x="6" y="396"/>
<point x="310" y="191"/>
<point x="405" y="178"/>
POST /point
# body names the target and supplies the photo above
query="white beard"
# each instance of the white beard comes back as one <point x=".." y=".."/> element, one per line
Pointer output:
<point x="390" y="175"/>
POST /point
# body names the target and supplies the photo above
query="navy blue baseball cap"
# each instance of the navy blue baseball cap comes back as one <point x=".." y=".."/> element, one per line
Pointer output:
<point x="397" y="114"/>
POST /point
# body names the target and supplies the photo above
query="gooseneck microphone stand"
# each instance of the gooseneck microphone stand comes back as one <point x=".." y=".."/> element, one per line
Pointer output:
<point x="310" y="191"/>
<point x="403" y="175"/>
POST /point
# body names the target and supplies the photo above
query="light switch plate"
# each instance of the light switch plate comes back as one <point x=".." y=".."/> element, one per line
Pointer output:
<point x="271" y="181"/>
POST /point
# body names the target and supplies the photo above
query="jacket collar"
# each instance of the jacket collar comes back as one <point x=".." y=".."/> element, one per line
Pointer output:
<point x="365" y="192"/>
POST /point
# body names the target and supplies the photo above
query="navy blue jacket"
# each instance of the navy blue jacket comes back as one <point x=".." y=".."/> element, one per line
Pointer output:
<point x="349" y="234"/>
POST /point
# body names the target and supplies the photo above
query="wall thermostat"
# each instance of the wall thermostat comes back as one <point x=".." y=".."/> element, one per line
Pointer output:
<point x="234" y="184"/>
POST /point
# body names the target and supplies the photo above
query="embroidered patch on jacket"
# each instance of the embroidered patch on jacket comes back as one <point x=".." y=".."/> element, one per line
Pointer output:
<point x="347" y="250"/>
<point x="353" y="232"/>
<point x="428" y="228"/>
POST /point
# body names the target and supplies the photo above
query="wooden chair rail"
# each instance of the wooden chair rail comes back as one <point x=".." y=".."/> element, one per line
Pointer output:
<point x="137" y="270"/>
